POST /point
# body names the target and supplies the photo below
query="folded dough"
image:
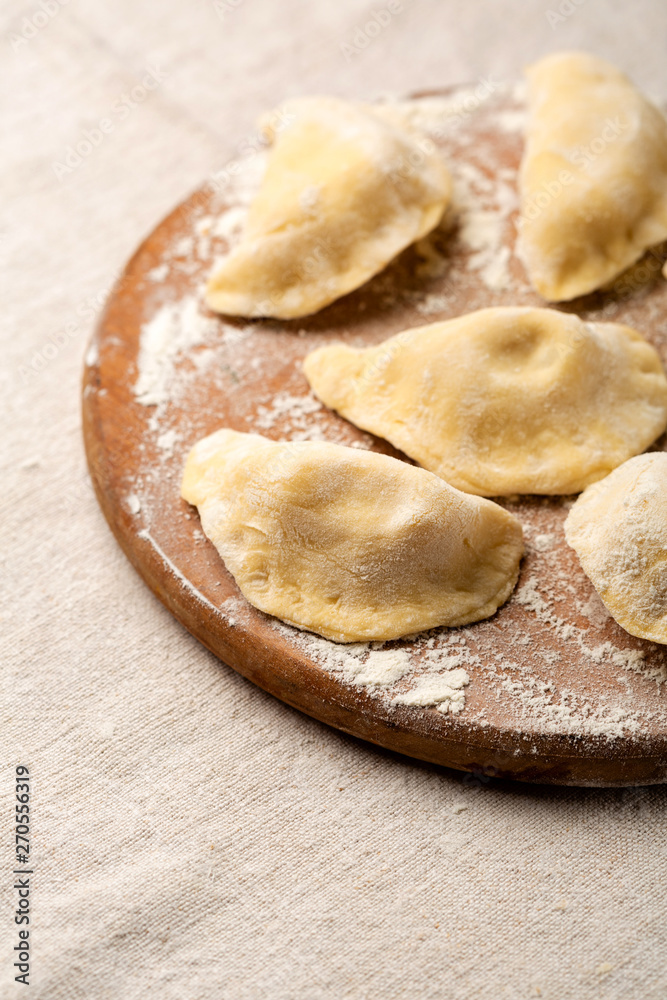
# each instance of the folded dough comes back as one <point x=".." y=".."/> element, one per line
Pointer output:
<point x="344" y="192"/>
<point x="593" y="180"/>
<point x="618" y="528"/>
<point x="348" y="543"/>
<point x="503" y="400"/>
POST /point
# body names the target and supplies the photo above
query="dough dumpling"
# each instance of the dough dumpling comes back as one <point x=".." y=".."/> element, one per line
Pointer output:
<point x="344" y="192"/>
<point x="618" y="528"/>
<point x="350" y="544"/>
<point x="503" y="400"/>
<point x="593" y="179"/>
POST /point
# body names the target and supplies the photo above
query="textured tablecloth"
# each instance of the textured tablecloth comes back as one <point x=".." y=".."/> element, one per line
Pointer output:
<point x="193" y="837"/>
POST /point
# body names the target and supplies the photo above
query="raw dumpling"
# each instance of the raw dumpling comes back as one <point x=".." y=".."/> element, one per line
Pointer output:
<point x="618" y="528"/>
<point x="350" y="544"/>
<point x="344" y="192"/>
<point x="593" y="179"/>
<point x="504" y="400"/>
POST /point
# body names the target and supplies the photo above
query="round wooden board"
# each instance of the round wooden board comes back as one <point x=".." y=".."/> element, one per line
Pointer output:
<point x="558" y="692"/>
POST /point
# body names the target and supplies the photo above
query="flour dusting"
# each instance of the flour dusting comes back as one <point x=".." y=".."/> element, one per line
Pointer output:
<point x="444" y="690"/>
<point x="484" y="207"/>
<point x="421" y="673"/>
<point x="535" y="658"/>
<point x="174" y="330"/>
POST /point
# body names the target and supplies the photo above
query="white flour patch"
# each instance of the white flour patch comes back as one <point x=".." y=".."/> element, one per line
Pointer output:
<point x="433" y="305"/>
<point x="229" y="225"/>
<point x="92" y="354"/>
<point x="174" y="330"/>
<point x="484" y="206"/>
<point x="166" y="441"/>
<point x="158" y="273"/>
<point x="444" y="690"/>
<point x="512" y="120"/>
<point x="297" y="409"/>
<point x="544" y="541"/>
<point x="183" y="247"/>
<point x="381" y="669"/>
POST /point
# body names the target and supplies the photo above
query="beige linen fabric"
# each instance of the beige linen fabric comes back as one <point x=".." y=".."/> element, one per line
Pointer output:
<point x="194" y="838"/>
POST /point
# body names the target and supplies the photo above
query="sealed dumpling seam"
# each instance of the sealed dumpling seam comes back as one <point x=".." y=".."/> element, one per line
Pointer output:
<point x="343" y="193"/>
<point x="593" y="178"/>
<point x="503" y="400"/>
<point x="350" y="544"/>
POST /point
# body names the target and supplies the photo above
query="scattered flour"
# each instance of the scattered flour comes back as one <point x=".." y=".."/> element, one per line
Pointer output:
<point x="299" y="410"/>
<point x="92" y="355"/>
<point x="444" y="690"/>
<point x="594" y="610"/>
<point x="484" y="208"/>
<point x="379" y="669"/>
<point x="175" y="329"/>
<point x="544" y="542"/>
<point x="159" y="273"/>
<point x="433" y="305"/>
<point x="529" y="596"/>
<point x="229" y="225"/>
<point x="438" y="115"/>
<point x="133" y="503"/>
<point x="421" y="673"/>
<point x="432" y="669"/>
<point x="166" y="441"/>
<point x="183" y="247"/>
<point x="483" y="203"/>
<point x="512" y="120"/>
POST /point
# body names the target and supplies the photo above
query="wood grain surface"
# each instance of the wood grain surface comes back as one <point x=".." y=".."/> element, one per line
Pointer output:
<point x="558" y="692"/>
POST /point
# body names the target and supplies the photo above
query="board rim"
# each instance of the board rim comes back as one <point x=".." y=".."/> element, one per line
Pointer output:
<point x="422" y="734"/>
